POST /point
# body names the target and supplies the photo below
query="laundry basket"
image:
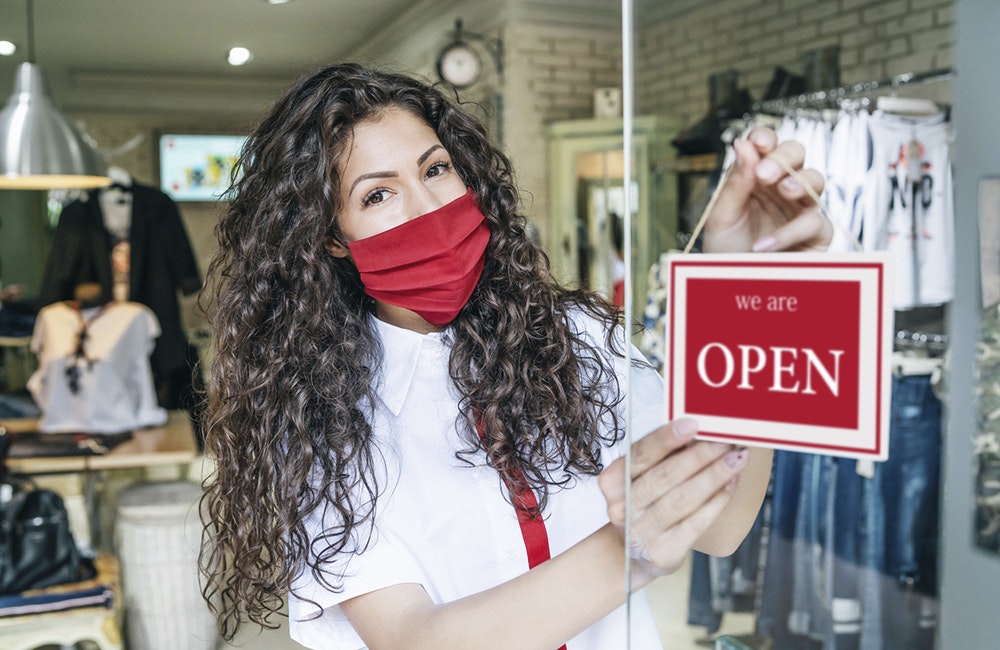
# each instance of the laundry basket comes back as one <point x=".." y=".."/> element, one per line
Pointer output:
<point x="158" y="533"/>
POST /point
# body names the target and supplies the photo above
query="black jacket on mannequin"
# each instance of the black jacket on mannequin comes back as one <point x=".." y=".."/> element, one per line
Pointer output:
<point x="162" y="263"/>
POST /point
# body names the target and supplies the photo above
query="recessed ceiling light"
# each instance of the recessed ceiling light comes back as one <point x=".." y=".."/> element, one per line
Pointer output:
<point x="7" y="48"/>
<point x="277" y="2"/>
<point x="239" y="55"/>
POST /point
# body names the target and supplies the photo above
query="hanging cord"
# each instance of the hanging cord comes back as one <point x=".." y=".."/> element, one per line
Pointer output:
<point x="29" y="7"/>
<point x="820" y="205"/>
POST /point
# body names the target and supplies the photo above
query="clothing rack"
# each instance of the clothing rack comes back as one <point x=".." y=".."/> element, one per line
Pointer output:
<point x="933" y="344"/>
<point x="832" y="96"/>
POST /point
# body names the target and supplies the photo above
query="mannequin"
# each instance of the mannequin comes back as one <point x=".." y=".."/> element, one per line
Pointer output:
<point x="130" y="239"/>
<point x="93" y="371"/>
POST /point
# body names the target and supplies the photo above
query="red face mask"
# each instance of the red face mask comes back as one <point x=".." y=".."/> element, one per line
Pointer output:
<point x="429" y="265"/>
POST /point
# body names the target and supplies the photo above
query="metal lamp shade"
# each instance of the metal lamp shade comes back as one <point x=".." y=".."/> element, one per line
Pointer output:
<point x="39" y="147"/>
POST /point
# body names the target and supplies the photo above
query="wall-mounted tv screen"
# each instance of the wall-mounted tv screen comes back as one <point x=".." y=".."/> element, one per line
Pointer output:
<point x="197" y="167"/>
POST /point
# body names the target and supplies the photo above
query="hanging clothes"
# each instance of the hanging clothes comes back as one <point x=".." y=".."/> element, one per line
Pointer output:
<point x="909" y="206"/>
<point x="850" y="158"/>
<point x="160" y="263"/>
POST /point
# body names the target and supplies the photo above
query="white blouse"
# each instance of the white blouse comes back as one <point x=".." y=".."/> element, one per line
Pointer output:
<point x="446" y="525"/>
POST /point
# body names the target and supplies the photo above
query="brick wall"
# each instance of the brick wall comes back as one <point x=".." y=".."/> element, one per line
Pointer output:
<point x="551" y="74"/>
<point x="878" y="39"/>
<point x="552" y="71"/>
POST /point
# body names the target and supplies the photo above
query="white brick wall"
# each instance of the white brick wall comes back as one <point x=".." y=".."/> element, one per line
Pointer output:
<point x="551" y="73"/>
<point x="878" y="39"/>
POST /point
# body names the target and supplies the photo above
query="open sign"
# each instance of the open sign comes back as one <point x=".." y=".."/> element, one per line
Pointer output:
<point x="786" y="350"/>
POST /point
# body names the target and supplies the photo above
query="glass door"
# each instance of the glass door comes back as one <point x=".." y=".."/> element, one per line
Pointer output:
<point x="842" y="553"/>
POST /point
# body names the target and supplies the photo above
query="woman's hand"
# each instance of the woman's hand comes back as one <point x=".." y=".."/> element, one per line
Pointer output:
<point x="763" y="208"/>
<point x="679" y="489"/>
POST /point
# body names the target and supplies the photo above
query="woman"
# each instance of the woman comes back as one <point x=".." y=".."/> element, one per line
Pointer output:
<point x="407" y="412"/>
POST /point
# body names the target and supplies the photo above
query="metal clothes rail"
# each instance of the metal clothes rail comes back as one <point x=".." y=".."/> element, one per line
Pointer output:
<point x="830" y="96"/>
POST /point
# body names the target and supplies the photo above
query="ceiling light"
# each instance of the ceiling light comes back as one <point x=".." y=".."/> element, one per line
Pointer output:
<point x="278" y="2"/>
<point x="239" y="56"/>
<point x="7" y="48"/>
<point x="39" y="147"/>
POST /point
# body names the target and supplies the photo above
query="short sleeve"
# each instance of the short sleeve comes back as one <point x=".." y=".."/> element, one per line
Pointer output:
<point x="314" y="614"/>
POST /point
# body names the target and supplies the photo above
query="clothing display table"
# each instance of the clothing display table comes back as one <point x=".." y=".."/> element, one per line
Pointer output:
<point x="172" y="443"/>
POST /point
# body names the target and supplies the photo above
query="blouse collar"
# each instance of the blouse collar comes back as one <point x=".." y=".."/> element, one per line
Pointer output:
<point x="402" y="349"/>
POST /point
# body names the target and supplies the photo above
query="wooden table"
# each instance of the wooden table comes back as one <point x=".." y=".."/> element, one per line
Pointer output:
<point x="170" y="444"/>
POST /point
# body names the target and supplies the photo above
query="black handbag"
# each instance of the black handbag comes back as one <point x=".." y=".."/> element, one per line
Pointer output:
<point x="37" y="548"/>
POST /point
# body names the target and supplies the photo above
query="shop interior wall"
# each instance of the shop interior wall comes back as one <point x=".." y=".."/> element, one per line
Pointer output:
<point x="552" y="63"/>
<point x="554" y="58"/>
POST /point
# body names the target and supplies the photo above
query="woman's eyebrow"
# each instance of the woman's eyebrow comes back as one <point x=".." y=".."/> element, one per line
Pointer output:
<point x="362" y="177"/>
<point x="427" y="154"/>
<point x="389" y="174"/>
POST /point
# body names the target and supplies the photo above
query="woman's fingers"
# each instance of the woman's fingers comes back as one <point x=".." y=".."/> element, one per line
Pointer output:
<point x="667" y="528"/>
<point x="664" y="552"/>
<point x="672" y="477"/>
<point x="675" y="475"/>
<point x="792" y="188"/>
<point x="773" y="169"/>
<point x="653" y="448"/>
<point x="685" y="498"/>
<point x="810" y="231"/>
<point x="646" y="453"/>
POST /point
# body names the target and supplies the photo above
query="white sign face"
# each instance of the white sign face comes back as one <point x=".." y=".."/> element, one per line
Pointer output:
<point x="783" y="350"/>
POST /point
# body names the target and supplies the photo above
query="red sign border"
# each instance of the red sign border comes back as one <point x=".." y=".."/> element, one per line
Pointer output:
<point x="879" y="450"/>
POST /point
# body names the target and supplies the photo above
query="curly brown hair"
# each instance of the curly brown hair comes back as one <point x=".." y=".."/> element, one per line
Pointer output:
<point x="296" y="355"/>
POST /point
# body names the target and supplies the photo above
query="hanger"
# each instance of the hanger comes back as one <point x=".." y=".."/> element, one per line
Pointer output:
<point x="907" y="106"/>
<point x="120" y="179"/>
<point x="912" y="106"/>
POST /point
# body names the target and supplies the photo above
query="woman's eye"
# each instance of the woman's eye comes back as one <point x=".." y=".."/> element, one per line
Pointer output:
<point x="438" y="168"/>
<point x="373" y="198"/>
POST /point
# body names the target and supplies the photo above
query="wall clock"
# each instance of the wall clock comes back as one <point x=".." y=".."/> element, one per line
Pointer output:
<point x="459" y="64"/>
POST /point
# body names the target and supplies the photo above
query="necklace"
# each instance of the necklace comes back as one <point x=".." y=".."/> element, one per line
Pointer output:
<point x="79" y="354"/>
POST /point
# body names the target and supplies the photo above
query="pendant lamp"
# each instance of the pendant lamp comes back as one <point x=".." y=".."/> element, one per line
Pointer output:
<point x="39" y="147"/>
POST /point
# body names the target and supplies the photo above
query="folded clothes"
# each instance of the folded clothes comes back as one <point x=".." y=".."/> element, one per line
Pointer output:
<point x="39" y="603"/>
<point x="14" y="406"/>
<point x="34" y="443"/>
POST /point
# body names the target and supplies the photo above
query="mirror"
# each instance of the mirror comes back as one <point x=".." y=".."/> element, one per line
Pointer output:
<point x="600" y="223"/>
<point x="586" y="187"/>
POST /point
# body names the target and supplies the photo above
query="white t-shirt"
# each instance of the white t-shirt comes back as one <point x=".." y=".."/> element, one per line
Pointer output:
<point x="113" y="391"/>
<point x="909" y="206"/>
<point x="847" y="169"/>
<point x="447" y="526"/>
